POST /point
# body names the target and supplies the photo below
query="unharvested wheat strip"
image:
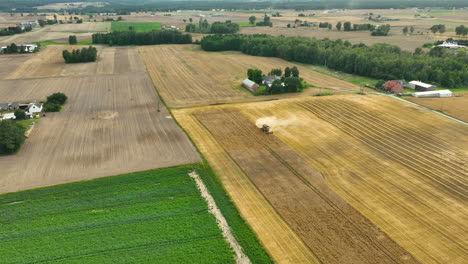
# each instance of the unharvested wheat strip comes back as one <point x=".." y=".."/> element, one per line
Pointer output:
<point x="241" y="258"/>
<point x="277" y="237"/>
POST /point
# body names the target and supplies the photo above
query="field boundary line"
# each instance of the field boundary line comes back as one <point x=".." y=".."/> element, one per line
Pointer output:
<point x="429" y="109"/>
<point x="241" y="257"/>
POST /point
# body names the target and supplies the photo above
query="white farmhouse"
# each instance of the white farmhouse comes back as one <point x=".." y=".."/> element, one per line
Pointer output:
<point x="450" y="45"/>
<point x="33" y="109"/>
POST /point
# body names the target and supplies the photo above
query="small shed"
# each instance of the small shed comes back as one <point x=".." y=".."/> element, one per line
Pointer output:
<point x="394" y="87"/>
<point x="7" y="116"/>
<point x="251" y="85"/>
<point x="439" y="93"/>
<point x="420" y="86"/>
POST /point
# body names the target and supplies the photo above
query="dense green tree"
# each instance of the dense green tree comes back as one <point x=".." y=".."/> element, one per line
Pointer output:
<point x="11" y="136"/>
<point x="437" y="52"/>
<point x="42" y="23"/>
<point x="51" y="107"/>
<point x="287" y="72"/>
<point x="20" y="114"/>
<point x="411" y="30"/>
<point x="461" y="30"/>
<point x="255" y="75"/>
<point x="72" y="40"/>
<point x="295" y="71"/>
<point x="338" y="26"/>
<point x="418" y="51"/>
<point x="382" y="30"/>
<point x="293" y="84"/>
<point x="276" y="87"/>
<point x="266" y="22"/>
<point x="252" y="20"/>
<point x="276" y="72"/>
<point x="190" y="28"/>
<point x="379" y="61"/>
<point x="405" y="30"/>
<point x="57" y="98"/>
<point x="122" y="38"/>
<point x="438" y="28"/>
<point x="80" y="55"/>
<point x="347" y="26"/>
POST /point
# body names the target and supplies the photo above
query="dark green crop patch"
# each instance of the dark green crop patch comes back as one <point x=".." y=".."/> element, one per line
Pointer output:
<point x="147" y="217"/>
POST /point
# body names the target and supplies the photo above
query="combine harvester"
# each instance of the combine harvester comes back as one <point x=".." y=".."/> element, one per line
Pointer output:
<point x="266" y="129"/>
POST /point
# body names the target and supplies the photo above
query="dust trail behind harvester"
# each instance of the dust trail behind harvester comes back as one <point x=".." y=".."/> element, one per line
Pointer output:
<point x="274" y="122"/>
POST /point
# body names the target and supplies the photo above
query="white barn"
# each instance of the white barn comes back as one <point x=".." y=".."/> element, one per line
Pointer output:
<point x="420" y="86"/>
<point x="249" y="84"/>
<point x="439" y="93"/>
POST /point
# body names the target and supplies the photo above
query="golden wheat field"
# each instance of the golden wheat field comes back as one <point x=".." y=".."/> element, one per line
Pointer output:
<point x="186" y="76"/>
<point x="399" y="179"/>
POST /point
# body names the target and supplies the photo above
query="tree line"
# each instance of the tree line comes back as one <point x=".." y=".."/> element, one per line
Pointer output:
<point x="80" y="55"/>
<point x="380" y="30"/>
<point x="380" y="61"/>
<point x="123" y="38"/>
<point x="215" y="28"/>
<point x="13" y="49"/>
<point x="14" y="30"/>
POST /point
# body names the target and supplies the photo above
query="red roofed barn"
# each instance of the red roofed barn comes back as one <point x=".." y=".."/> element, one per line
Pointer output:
<point x="394" y="87"/>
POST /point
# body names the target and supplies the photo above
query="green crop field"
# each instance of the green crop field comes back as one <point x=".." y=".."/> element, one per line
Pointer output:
<point x="245" y="24"/>
<point x="137" y="26"/>
<point x="147" y="217"/>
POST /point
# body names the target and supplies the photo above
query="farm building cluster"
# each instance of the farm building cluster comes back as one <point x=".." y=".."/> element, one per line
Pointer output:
<point x="27" y="48"/>
<point x="31" y="109"/>
<point x="421" y="89"/>
<point x="267" y="81"/>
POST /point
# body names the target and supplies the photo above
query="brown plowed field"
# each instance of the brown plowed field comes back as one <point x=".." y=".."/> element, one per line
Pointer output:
<point x="186" y="76"/>
<point x="9" y="63"/>
<point x="405" y="172"/>
<point x="50" y="63"/>
<point x="110" y="125"/>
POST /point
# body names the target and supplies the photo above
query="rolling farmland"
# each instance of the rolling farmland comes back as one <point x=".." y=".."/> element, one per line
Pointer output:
<point x="191" y="77"/>
<point x="148" y="217"/>
<point x="110" y="125"/>
<point x="399" y="173"/>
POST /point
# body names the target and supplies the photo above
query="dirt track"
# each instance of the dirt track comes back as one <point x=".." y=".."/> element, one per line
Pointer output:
<point x="186" y="76"/>
<point x="405" y="172"/>
<point x="280" y="241"/>
<point x="110" y="125"/>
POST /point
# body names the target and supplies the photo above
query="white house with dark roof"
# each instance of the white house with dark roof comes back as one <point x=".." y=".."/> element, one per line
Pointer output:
<point x="33" y="109"/>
